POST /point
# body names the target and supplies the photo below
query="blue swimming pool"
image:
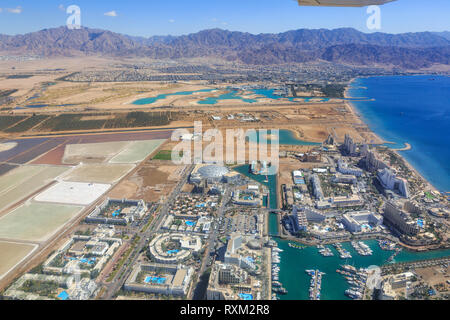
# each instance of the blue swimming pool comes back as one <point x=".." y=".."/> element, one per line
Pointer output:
<point x="117" y="213"/>
<point x="155" y="280"/>
<point x="63" y="295"/>
<point x="245" y="296"/>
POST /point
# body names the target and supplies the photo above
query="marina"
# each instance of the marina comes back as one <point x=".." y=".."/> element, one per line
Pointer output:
<point x="315" y="284"/>
<point x="343" y="253"/>
<point x="325" y="251"/>
<point x="294" y="262"/>
<point x="356" y="279"/>
<point x="387" y="245"/>
<point x="296" y="246"/>
<point x="277" y="286"/>
<point x="361" y="248"/>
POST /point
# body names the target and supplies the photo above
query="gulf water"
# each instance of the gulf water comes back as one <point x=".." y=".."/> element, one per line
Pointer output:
<point x="414" y="110"/>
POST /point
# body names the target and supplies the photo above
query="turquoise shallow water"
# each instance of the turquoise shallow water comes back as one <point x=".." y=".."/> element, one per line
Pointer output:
<point x="412" y="109"/>
<point x="287" y="137"/>
<point x="294" y="262"/>
<point x="233" y="94"/>
<point x="227" y="96"/>
<point x="164" y="96"/>
<point x="269" y="93"/>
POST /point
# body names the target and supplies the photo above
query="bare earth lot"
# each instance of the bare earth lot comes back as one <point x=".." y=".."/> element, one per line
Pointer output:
<point x="137" y="151"/>
<point x="92" y="152"/>
<point x="36" y="221"/>
<point x="24" y="181"/>
<point x="150" y="182"/>
<point x="12" y="254"/>
<point x="99" y="173"/>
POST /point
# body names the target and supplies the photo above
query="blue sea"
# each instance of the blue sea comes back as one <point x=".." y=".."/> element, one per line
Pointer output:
<point x="414" y="110"/>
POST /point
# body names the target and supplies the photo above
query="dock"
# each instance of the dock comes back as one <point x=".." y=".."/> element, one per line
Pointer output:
<point x="316" y="284"/>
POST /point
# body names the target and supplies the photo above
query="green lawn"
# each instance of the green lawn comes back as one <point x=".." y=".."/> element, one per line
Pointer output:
<point x="429" y="195"/>
<point x="164" y="155"/>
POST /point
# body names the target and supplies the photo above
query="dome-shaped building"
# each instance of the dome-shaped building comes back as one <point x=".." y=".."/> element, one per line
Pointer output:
<point x="213" y="173"/>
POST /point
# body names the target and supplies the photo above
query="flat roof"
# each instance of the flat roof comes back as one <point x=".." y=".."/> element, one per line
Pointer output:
<point x="77" y="193"/>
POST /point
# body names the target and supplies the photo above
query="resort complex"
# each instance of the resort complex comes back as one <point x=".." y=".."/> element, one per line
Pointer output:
<point x="310" y="164"/>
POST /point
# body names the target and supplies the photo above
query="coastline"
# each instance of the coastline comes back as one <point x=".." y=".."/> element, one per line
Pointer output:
<point x="396" y="151"/>
<point x="356" y="113"/>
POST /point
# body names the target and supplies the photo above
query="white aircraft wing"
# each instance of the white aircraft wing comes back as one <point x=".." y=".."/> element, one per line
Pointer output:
<point x="342" y="3"/>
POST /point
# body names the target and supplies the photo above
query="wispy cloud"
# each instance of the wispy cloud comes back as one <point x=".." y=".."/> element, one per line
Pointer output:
<point x="17" y="10"/>
<point x="61" y="7"/>
<point x="111" y="14"/>
<point x="218" y="21"/>
<point x="171" y="20"/>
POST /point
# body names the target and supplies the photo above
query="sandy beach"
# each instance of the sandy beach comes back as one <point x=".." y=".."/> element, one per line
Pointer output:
<point x="396" y="151"/>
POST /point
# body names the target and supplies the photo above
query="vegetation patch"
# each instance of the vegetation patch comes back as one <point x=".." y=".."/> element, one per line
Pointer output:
<point x="8" y="121"/>
<point x="45" y="289"/>
<point x="163" y="155"/>
<point x="27" y="124"/>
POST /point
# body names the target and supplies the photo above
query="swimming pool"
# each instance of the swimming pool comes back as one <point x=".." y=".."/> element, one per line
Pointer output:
<point x="245" y="296"/>
<point x="63" y="295"/>
<point x="117" y="213"/>
<point x="155" y="280"/>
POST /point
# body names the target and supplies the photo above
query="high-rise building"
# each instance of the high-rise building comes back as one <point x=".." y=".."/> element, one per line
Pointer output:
<point x="390" y="181"/>
<point x="350" y="146"/>
<point x="231" y="274"/>
<point x="372" y="163"/>
<point x="400" y="219"/>
<point x="345" y="169"/>
<point x="317" y="189"/>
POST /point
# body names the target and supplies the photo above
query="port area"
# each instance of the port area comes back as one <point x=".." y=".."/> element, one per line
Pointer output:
<point x="316" y="284"/>
<point x="324" y="251"/>
<point x="361" y="248"/>
<point x="356" y="278"/>
<point x="343" y="253"/>
<point x="277" y="286"/>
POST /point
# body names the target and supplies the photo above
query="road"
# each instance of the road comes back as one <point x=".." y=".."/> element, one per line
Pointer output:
<point x="124" y="272"/>
<point x="212" y="240"/>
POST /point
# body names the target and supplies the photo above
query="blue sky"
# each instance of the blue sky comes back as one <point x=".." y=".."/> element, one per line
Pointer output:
<point x="162" y="17"/>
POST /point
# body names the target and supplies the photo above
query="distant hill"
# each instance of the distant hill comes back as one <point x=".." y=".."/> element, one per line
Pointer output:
<point x="445" y="34"/>
<point x="346" y="45"/>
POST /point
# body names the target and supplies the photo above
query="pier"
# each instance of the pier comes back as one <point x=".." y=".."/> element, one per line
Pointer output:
<point x="316" y="284"/>
<point x="392" y="257"/>
<point x="415" y="264"/>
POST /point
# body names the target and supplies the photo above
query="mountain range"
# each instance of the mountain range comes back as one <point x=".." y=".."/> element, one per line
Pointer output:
<point x="345" y="45"/>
